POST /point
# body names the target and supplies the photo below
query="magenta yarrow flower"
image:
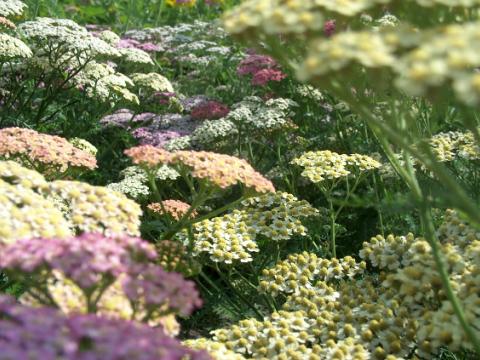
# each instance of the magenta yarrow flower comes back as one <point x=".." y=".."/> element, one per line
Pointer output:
<point x="45" y="333"/>
<point x="329" y="28"/>
<point x="209" y="110"/>
<point x="263" y="69"/>
<point x="263" y="76"/>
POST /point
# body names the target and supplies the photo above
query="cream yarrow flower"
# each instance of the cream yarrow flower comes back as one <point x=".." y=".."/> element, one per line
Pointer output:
<point x="152" y="82"/>
<point x="98" y="209"/>
<point x="12" y="48"/>
<point x="12" y="8"/>
<point x="322" y="165"/>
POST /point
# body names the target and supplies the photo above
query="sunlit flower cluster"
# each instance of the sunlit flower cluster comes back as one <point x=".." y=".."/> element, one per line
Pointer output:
<point x="454" y="145"/>
<point x="12" y="8"/>
<point x="232" y="237"/>
<point x="335" y="56"/>
<point x="386" y="253"/>
<point x="46" y="153"/>
<point x="174" y="208"/>
<point x="61" y="336"/>
<point x="67" y="35"/>
<point x="135" y="181"/>
<point x="152" y="82"/>
<point x="253" y="112"/>
<point x="303" y="270"/>
<point x="97" y="209"/>
<point x="84" y="145"/>
<point x="213" y="132"/>
<point x="445" y="56"/>
<point x="327" y="165"/>
<point x="220" y="170"/>
<point x="282" y="335"/>
<point x="226" y="239"/>
<point x="12" y="48"/>
<point x="101" y="81"/>
<point x="24" y="213"/>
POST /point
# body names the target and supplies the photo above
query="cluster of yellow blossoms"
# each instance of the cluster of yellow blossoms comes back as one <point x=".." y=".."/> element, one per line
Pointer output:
<point x="334" y="310"/>
<point x="218" y="169"/>
<point x="97" y="209"/>
<point x="34" y="207"/>
<point x="321" y="165"/>
<point x="304" y="270"/>
<point x="276" y="216"/>
<point x="46" y="153"/>
<point x="24" y="211"/>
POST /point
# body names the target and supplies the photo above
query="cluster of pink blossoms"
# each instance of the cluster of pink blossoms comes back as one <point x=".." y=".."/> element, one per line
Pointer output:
<point x="263" y="69"/>
<point x="43" y="150"/>
<point x="209" y="110"/>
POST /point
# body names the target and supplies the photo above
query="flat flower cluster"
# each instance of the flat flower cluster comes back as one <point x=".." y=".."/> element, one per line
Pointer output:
<point x="174" y="208"/>
<point x="232" y="237"/>
<point x="12" y="8"/>
<point x="304" y="270"/>
<point x="90" y="265"/>
<point x="68" y="207"/>
<point x="135" y="181"/>
<point x="49" y="153"/>
<point x="327" y="165"/>
<point x="262" y="68"/>
<point x="48" y="334"/>
<point x="218" y="169"/>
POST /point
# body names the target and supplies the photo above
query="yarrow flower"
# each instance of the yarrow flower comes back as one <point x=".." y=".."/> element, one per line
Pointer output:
<point x="173" y="256"/>
<point x="232" y="237"/>
<point x="97" y="209"/>
<point x="135" y="181"/>
<point x="12" y="48"/>
<point x="152" y="82"/>
<point x="321" y="165"/>
<point x="304" y="270"/>
<point x="83" y="145"/>
<point x="100" y="81"/>
<point x="64" y="337"/>
<point x="174" y="208"/>
<point x="12" y="8"/>
<point x="209" y="110"/>
<point x="25" y="213"/>
<point x="90" y="265"/>
<point x="220" y="170"/>
<point x="42" y="151"/>
<point x="263" y="69"/>
<point x="216" y="350"/>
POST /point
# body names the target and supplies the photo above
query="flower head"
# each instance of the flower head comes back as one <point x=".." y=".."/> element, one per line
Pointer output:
<point x="175" y="208"/>
<point x="221" y="170"/>
<point x="209" y="110"/>
<point x="49" y="334"/>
